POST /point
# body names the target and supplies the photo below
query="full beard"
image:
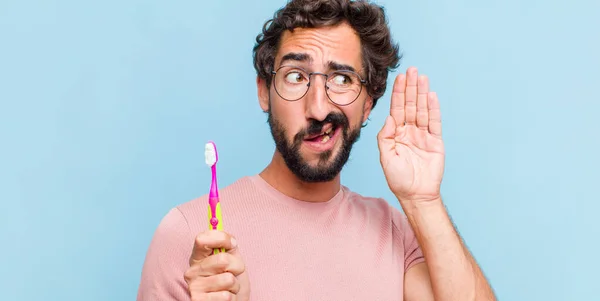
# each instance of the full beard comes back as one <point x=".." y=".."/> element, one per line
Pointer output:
<point x="329" y="166"/>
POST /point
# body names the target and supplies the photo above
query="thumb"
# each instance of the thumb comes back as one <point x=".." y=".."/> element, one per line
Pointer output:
<point x="385" y="139"/>
<point x="388" y="131"/>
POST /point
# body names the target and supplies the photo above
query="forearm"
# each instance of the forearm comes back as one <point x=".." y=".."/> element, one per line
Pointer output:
<point x="454" y="273"/>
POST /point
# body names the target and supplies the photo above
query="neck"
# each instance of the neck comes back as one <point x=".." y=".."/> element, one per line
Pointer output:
<point x="278" y="175"/>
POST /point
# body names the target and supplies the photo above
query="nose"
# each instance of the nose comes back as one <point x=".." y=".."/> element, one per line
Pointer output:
<point x="317" y="102"/>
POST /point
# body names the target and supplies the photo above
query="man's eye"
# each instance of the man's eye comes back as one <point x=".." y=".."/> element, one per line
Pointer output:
<point x="341" y="80"/>
<point x="294" y="77"/>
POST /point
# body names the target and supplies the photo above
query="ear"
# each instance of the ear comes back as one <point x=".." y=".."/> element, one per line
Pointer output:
<point x="263" y="93"/>
<point x="367" y="108"/>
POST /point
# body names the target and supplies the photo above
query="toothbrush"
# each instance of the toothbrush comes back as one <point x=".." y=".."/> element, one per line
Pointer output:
<point x="215" y="220"/>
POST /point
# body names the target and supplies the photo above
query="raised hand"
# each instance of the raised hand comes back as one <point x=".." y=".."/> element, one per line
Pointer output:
<point x="217" y="277"/>
<point x="410" y="143"/>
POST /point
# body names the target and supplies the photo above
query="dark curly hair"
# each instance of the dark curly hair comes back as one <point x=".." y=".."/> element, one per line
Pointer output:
<point x="379" y="52"/>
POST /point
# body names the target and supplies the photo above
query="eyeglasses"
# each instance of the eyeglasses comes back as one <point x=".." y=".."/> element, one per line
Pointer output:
<point x="342" y="87"/>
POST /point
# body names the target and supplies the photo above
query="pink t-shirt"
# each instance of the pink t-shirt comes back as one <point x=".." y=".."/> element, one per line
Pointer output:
<point x="349" y="248"/>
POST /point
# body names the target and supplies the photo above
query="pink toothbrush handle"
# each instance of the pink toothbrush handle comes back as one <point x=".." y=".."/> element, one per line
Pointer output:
<point x="215" y="218"/>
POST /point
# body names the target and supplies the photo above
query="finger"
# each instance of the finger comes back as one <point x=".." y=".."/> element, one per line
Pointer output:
<point x="217" y="264"/>
<point x="422" y="98"/>
<point x="215" y="283"/>
<point x="215" y="296"/>
<point x="435" y="118"/>
<point x="207" y="241"/>
<point x="386" y="140"/>
<point x="388" y="129"/>
<point x="411" y="95"/>
<point x="397" y="103"/>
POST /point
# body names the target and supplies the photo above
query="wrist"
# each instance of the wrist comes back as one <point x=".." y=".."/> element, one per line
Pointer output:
<point x="419" y="204"/>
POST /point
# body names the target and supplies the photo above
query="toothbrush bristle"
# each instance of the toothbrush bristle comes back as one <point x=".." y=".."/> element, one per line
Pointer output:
<point x="210" y="154"/>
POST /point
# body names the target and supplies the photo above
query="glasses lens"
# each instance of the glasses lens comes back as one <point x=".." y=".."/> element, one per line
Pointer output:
<point x="291" y="83"/>
<point x="343" y="87"/>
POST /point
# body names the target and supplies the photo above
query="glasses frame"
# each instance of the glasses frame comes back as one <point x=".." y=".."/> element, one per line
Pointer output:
<point x="327" y="75"/>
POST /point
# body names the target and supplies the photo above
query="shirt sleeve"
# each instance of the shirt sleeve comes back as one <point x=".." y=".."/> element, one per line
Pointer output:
<point x="166" y="261"/>
<point x="407" y="239"/>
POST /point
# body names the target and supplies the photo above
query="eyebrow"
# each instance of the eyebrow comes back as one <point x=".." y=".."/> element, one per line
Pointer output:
<point x="304" y="57"/>
<point x="294" y="56"/>
<point x="337" y="66"/>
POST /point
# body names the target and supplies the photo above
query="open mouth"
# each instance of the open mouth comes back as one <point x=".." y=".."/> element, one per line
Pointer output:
<point x="324" y="136"/>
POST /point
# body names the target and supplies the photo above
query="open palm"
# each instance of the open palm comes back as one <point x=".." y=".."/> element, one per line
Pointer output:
<point x="410" y="143"/>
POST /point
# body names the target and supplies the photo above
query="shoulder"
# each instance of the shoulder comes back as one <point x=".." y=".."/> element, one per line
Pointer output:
<point x="181" y="223"/>
<point x="378" y="207"/>
<point x="395" y="223"/>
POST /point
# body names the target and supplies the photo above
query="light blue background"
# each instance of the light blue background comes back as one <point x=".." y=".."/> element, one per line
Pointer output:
<point x="106" y="106"/>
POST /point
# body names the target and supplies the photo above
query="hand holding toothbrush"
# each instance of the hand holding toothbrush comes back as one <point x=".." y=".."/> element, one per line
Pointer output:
<point x="216" y="268"/>
<point x="218" y="276"/>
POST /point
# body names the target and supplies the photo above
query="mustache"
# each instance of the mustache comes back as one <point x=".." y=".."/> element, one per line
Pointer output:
<point x="315" y="127"/>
